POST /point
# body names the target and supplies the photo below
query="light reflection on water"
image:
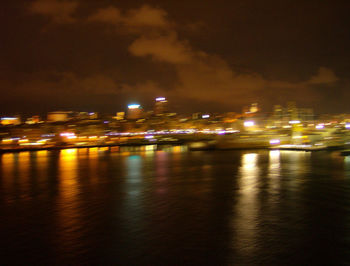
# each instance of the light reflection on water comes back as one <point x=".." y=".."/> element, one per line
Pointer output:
<point x="68" y="210"/>
<point x="245" y="221"/>
<point x="146" y="205"/>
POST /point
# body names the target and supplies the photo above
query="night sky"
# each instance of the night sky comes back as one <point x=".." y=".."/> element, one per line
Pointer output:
<point x="100" y="55"/>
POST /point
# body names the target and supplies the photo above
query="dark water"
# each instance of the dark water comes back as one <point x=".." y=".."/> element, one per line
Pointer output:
<point x="174" y="207"/>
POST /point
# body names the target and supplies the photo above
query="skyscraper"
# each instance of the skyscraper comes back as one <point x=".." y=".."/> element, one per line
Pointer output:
<point x="161" y="106"/>
<point x="134" y="112"/>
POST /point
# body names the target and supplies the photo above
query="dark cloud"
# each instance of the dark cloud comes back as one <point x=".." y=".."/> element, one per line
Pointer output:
<point x="58" y="11"/>
<point x="162" y="48"/>
<point x="134" y="19"/>
<point x="222" y="55"/>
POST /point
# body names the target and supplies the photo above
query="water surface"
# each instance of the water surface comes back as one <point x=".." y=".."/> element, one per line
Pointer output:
<point x="173" y="206"/>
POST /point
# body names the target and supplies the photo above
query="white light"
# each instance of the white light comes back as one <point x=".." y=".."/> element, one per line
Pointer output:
<point x="249" y="123"/>
<point x="159" y="99"/>
<point x="320" y="126"/>
<point x="294" y="122"/>
<point x="67" y="134"/>
<point x="347" y="125"/>
<point x="133" y="106"/>
<point x="275" y="141"/>
<point x="8" y="118"/>
<point x="205" y="116"/>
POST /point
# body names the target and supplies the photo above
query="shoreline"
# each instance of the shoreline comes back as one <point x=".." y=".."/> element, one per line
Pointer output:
<point x="58" y="148"/>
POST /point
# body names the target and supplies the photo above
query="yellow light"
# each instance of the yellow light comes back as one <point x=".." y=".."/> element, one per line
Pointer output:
<point x="42" y="141"/>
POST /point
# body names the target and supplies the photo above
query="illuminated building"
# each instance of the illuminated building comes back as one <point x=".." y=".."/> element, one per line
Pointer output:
<point x="251" y="110"/>
<point x="93" y="115"/>
<point x="58" y="116"/>
<point x="33" y="120"/>
<point x="10" y="121"/>
<point x="120" y="115"/>
<point x="161" y="106"/>
<point x="134" y="112"/>
<point x="254" y="108"/>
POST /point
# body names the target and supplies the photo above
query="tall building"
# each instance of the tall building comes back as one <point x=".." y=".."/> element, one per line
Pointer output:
<point x="251" y="110"/>
<point x="277" y="113"/>
<point x="292" y="111"/>
<point x="161" y="106"/>
<point x="254" y="108"/>
<point x="306" y="114"/>
<point x="134" y="112"/>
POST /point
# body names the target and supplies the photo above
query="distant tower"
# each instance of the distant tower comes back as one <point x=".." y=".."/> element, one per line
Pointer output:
<point x="134" y="112"/>
<point x="161" y="106"/>
<point x="254" y="108"/>
<point x="277" y="113"/>
<point x="292" y="111"/>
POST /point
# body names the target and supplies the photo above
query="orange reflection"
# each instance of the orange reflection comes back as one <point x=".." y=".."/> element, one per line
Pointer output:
<point x="247" y="205"/>
<point x="68" y="201"/>
<point x="7" y="163"/>
<point x="23" y="165"/>
<point x="7" y="169"/>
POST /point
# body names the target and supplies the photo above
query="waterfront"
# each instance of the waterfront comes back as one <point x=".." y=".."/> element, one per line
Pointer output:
<point x="138" y="205"/>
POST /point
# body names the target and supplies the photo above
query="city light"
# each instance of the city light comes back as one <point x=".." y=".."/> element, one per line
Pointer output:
<point x="293" y="122"/>
<point x="8" y="118"/>
<point x="67" y="134"/>
<point x="138" y="125"/>
<point x="249" y="123"/>
<point x="275" y="141"/>
<point x="160" y="99"/>
<point x="133" y="106"/>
